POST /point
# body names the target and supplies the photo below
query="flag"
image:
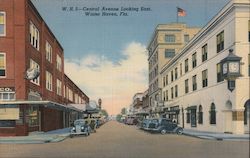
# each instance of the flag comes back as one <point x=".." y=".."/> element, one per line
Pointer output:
<point x="181" y="12"/>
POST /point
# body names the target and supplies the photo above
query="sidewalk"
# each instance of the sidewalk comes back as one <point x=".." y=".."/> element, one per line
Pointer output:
<point x="38" y="137"/>
<point x="216" y="136"/>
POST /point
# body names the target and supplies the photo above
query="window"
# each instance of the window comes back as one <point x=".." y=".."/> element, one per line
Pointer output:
<point x="212" y="114"/>
<point x="2" y="24"/>
<point x="194" y="83"/>
<point x="167" y="95"/>
<point x="172" y="93"/>
<point x="5" y="96"/>
<point x="48" y="81"/>
<point x="248" y="30"/>
<point x="219" y="75"/>
<point x="164" y="96"/>
<point x="220" y="41"/>
<point x="48" y="50"/>
<point x="170" y="38"/>
<point x="248" y="64"/>
<point x="2" y="65"/>
<point x="34" y="36"/>
<point x="7" y="123"/>
<point x="188" y="116"/>
<point x="176" y="73"/>
<point x="186" y="65"/>
<point x="200" y="115"/>
<point x="204" y="78"/>
<point x="194" y="61"/>
<point x="186" y="39"/>
<point x="172" y="76"/>
<point x="70" y="95"/>
<point x="181" y="69"/>
<point x="58" y="63"/>
<point x="204" y="53"/>
<point x="186" y="86"/>
<point x="166" y="79"/>
<point x="34" y="65"/>
<point x="176" y="91"/>
<point x="58" y="87"/>
<point x="169" y="53"/>
<point x="32" y="116"/>
<point x="246" y="112"/>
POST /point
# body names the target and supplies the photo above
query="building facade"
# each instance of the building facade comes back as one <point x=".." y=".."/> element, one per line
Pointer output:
<point x="27" y="43"/>
<point x="166" y="42"/>
<point x="194" y="92"/>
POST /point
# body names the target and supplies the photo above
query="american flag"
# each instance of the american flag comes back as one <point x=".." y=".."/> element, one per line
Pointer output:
<point x="181" y="12"/>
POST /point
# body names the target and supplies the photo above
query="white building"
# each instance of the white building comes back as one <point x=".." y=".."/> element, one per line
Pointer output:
<point x="194" y="91"/>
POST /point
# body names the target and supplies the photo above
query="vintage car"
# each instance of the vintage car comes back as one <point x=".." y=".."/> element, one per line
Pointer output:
<point x="80" y="128"/>
<point x="164" y="126"/>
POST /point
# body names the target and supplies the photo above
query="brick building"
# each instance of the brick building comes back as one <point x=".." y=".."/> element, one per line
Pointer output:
<point x="41" y="104"/>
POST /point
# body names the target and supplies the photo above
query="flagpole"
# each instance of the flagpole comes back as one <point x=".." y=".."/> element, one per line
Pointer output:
<point x="177" y="17"/>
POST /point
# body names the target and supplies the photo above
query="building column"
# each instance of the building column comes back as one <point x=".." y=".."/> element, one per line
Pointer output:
<point x="238" y="121"/>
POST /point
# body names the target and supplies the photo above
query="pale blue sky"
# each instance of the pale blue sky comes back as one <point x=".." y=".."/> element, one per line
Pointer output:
<point x="81" y="35"/>
<point x="94" y="45"/>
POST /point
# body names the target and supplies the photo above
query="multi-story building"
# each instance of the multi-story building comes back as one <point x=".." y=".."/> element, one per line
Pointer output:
<point x="26" y="43"/>
<point x="136" y="106"/>
<point x="195" y="93"/>
<point x="166" y="42"/>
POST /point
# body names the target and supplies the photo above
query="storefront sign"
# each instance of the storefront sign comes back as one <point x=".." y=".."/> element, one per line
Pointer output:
<point x="9" y="113"/>
<point x="7" y="89"/>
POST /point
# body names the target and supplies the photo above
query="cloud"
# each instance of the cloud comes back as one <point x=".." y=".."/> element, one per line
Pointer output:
<point x="115" y="83"/>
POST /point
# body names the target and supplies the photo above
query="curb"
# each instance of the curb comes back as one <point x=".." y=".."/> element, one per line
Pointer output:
<point x="209" y="137"/>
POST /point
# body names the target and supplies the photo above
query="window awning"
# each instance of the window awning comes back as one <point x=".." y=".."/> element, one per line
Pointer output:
<point x="44" y="103"/>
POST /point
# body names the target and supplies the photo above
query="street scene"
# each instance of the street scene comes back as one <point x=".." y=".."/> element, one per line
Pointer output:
<point x="114" y="140"/>
<point x="124" y="78"/>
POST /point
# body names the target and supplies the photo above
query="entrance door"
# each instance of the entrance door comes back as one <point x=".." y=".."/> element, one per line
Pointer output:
<point x="193" y="117"/>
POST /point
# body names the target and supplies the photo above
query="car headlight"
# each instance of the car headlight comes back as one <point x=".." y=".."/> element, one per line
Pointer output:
<point x="74" y="128"/>
<point x="82" y="127"/>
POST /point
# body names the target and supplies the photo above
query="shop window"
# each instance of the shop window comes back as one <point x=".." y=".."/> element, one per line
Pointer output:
<point x="2" y="65"/>
<point x="2" y="24"/>
<point x="200" y="115"/>
<point x="32" y="116"/>
<point x="7" y="123"/>
<point x="188" y="116"/>
<point x="212" y="114"/>
<point x="220" y="41"/>
<point x="204" y="53"/>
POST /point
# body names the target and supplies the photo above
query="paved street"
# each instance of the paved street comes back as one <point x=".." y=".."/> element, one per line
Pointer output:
<point x="115" y="140"/>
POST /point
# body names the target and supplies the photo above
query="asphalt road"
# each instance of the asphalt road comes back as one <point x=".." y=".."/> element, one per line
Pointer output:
<point x="115" y="140"/>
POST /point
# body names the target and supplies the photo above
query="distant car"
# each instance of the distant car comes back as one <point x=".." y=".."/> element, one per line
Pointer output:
<point x="131" y="121"/>
<point x="80" y="128"/>
<point x="164" y="126"/>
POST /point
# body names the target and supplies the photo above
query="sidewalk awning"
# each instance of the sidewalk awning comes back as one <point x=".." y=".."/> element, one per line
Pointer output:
<point x="44" y="103"/>
<point x="81" y="107"/>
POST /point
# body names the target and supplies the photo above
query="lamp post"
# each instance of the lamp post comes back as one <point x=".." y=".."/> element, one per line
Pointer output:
<point x="231" y="69"/>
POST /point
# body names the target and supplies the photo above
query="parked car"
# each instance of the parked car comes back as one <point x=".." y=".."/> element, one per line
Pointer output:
<point x="131" y="121"/>
<point x="164" y="126"/>
<point x="150" y="123"/>
<point x="80" y="128"/>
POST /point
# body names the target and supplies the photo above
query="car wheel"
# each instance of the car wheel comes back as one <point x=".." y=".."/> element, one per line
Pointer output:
<point x="179" y="131"/>
<point x="163" y="131"/>
<point x="71" y="136"/>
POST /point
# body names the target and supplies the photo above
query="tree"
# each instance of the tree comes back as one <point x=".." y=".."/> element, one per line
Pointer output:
<point x="123" y="111"/>
<point x="104" y="113"/>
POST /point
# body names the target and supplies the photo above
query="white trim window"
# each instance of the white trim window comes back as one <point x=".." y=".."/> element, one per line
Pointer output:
<point x="34" y="36"/>
<point x="5" y="96"/>
<point x="58" y="63"/>
<point x="49" y="81"/>
<point x="2" y="24"/>
<point x="58" y="87"/>
<point x="2" y="65"/>
<point x="48" y="50"/>
<point x="34" y="65"/>
<point x="70" y="95"/>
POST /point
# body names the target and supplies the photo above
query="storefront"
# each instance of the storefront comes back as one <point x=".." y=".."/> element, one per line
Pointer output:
<point x="173" y="113"/>
<point x="191" y="115"/>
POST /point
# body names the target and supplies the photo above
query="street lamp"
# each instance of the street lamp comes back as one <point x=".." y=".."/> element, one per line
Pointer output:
<point x="231" y="69"/>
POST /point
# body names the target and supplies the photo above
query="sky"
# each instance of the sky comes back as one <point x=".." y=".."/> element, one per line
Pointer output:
<point x="106" y="56"/>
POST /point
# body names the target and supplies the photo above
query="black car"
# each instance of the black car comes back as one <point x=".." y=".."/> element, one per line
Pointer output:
<point x="164" y="126"/>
